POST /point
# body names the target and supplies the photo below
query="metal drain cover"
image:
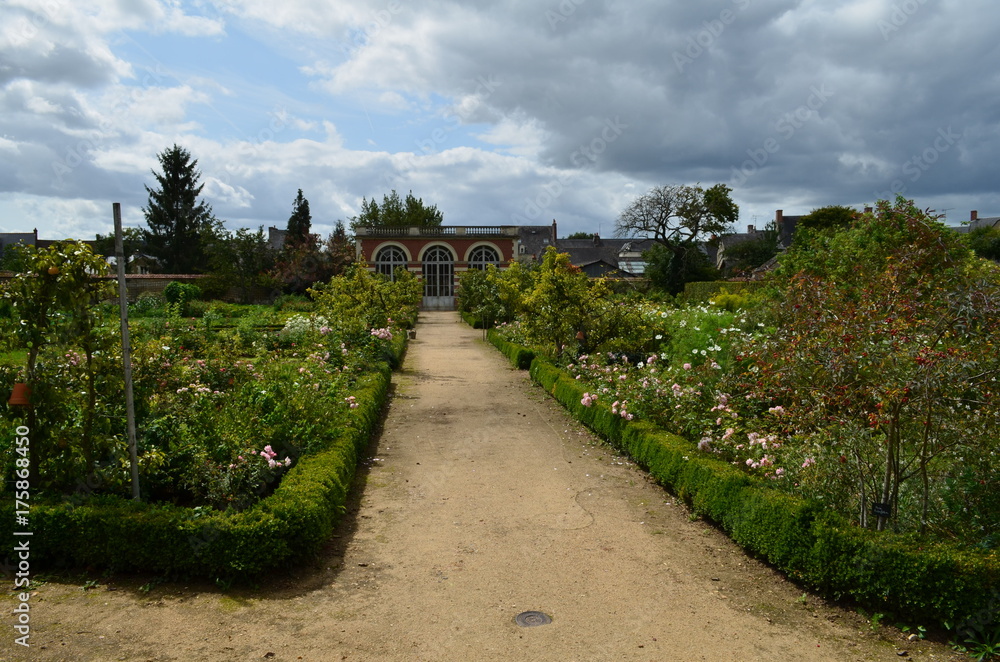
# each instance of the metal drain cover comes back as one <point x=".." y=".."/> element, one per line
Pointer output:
<point x="530" y="619"/>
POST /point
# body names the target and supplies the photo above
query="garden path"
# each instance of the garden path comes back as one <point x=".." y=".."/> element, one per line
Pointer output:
<point x="481" y="499"/>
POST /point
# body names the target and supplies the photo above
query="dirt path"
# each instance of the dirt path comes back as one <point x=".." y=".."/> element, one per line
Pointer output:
<point x="483" y="499"/>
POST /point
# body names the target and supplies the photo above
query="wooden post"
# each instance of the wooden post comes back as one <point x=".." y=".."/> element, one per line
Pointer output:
<point x="126" y="349"/>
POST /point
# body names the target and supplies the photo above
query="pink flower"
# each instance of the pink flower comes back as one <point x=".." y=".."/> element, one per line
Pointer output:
<point x="687" y="366"/>
<point x="808" y="463"/>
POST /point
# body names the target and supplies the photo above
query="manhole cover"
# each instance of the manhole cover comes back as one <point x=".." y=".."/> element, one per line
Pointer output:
<point x="530" y="619"/>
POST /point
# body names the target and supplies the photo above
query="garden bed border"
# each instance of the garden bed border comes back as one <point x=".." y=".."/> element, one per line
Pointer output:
<point x="288" y="527"/>
<point x="915" y="581"/>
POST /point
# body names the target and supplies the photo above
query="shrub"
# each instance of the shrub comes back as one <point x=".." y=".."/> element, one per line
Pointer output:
<point x="177" y="292"/>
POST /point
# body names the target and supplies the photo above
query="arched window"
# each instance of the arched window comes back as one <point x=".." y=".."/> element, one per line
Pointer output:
<point x="483" y="255"/>
<point x="388" y="259"/>
<point x="439" y="272"/>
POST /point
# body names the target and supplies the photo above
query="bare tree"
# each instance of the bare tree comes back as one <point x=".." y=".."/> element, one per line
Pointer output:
<point x="678" y="215"/>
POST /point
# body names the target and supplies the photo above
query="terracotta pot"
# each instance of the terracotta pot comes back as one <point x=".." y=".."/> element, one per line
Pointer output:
<point x="21" y="396"/>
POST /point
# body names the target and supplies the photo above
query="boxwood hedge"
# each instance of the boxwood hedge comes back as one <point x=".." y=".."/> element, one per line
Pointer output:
<point x="912" y="579"/>
<point x="289" y="526"/>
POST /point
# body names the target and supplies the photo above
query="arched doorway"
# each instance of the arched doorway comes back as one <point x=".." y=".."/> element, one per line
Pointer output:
<point x="439" y="279"/>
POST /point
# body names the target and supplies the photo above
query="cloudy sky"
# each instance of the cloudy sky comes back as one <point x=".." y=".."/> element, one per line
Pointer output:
<point x="499" y="112"/>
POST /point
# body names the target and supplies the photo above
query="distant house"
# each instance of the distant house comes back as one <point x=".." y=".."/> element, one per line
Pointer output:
<point x="599" y="257"/>
<point x="140" y="263"/>
<point x="976" y="222"/>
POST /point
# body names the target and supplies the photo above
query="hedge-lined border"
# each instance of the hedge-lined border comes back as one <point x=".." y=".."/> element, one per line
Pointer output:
<point x="471" y="319"/>
<point x="289" y="526"/>
<point x="925" y="583"/>
<point x="519" y="356"/>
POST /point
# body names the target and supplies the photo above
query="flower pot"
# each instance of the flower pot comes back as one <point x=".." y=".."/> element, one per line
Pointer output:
<point x="411" y="333"/>
<point x="21" y="396"/>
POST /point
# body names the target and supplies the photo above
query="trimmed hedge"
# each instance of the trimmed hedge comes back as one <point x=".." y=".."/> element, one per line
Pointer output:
<point x="519" y="356"/>
<point x="290" y="526"/>
<point x="471" y="319"/>
<point x="917" y="581"/>
<point x="705" y="290"/>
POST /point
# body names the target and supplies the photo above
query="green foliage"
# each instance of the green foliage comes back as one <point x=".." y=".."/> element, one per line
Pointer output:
<point x="242" y="259"/>
<point x="289" y="527"/>
<point x="393" y="211"/>
<point x="360" y="301"/>
<point x="133" y="243"/>
<point x="182" y="296"/>
<point x="670" y="268"/>
<point x="985" y="242"/>
<point x="827" y="219"/>
<point x="557" y="309"/>
<point x="179" y="224"/>
<point x="493" y="295"/>
<point x="296" y="303"/>
<point x="520" y="357"/>
<point x="885" y="359"/>
<point x="747" y="255"/>
<point x="703" y="291"/>
<point x="299" y="223"/>
<point x="678" y="215"/>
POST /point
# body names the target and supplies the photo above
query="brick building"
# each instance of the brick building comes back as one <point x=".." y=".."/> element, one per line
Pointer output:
<point x="438" y="255"/>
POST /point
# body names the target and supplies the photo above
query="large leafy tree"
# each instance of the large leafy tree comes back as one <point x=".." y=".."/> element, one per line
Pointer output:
<point x="179" y="224"/>
<point x="395" y="211"/>
<point x="678" y="217"/>
<point x="668" y="269"/>
<point x="243" y="259"/>
<point x="300" y="222"/>
<point x="985" y="242"/>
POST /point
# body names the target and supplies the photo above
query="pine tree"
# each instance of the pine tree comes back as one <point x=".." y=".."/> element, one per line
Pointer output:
<point x="178" y="221"/>
<point x="299" y="223"/>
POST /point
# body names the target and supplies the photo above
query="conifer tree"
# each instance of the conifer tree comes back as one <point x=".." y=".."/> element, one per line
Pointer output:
<point x="300" y="222"/>
<point x="178" y="221"/>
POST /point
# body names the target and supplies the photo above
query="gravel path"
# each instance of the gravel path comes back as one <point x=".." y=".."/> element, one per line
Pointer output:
<point x="481" y="500"/>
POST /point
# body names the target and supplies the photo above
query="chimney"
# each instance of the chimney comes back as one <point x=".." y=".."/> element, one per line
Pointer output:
<point x="974" y="216"/>
<point x="779" y="217"/>
<point x="554" y="234"/>
<point x="597" y="239"/>
<point x="751" y="229"/>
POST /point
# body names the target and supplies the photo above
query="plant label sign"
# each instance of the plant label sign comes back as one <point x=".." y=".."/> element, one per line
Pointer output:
<point x="882" y="509"/>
